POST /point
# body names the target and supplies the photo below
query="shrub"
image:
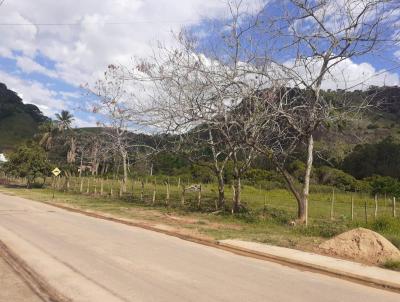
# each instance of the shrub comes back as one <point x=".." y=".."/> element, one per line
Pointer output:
<point x="28" y="161"/>
<point x="254" y="176"/>
<point x="202" y="174"/>
<point x="384" y="185"/>
<point x="337" y="178"/>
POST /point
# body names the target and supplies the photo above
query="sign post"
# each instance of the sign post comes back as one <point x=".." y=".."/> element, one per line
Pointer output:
<point x="55" y="172"/>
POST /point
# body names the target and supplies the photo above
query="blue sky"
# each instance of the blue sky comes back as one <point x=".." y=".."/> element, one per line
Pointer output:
<point x="47" y="64"/>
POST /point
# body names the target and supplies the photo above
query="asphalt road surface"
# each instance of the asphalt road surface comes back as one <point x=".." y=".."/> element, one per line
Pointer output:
<point x="89" y="259"/>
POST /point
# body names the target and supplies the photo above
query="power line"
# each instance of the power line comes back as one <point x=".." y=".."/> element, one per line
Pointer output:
<point x="96" y="23"/>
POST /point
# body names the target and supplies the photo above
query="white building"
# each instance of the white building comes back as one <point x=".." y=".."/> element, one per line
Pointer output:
<point x="2" y="158"/>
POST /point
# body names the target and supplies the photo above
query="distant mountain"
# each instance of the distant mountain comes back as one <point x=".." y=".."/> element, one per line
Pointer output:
<point x="18" y="121"/>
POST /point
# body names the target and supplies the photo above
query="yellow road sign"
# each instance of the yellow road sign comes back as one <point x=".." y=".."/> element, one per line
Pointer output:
<point x="56" y="172"/>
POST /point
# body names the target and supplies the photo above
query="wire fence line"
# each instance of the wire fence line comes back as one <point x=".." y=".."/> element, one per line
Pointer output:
<point x="177" y="193"/>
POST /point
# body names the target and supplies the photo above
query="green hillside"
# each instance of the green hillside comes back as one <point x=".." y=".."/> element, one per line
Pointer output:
<point x="18" y="121"/>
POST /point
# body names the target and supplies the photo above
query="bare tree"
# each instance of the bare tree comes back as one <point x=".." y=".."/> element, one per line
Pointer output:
<point x="199" y="93"/>
<point x="114" y="114"/>
<point x="318" y="36"/>
<point x="120" y="116"/>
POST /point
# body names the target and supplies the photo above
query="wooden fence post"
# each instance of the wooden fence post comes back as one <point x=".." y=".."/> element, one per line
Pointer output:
<point x="394" y="206"/>
<point x="385" y="201"/>
<point x="332" y="203"/>
<point x="81" y="188"/>
<point x="142" y="192"/>
<point x="199" y="197"/>
<point x="121" y="189"/>
<point x="76" y="185"/>
<point x="376" y="206"/>
<point x="95" y="186"/>
<point x="183" y="195"/>
<point x="233" y="197"/>
<point x="154" y="192"/>
<point x="265" y="205"/>
<point x="101" y="187"/>
<point x="88" y="186"/>
<point x="167" y="197"/>
<point x="365" y="211"/>
<point x="352" y="207"/>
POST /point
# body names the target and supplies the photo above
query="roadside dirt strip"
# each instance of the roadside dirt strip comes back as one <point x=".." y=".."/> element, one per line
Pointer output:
<point x="22" y="284"/>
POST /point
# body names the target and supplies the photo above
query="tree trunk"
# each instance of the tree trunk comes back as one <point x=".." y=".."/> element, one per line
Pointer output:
<point x="71" y="155"/>
<point x="81" y="166"/>
<point x="221" y="190"/>
<point x="237" y="192"/>
<point x="292" y="187"/>
<point x="303" y="213"/>
<point x="125" y="168"/>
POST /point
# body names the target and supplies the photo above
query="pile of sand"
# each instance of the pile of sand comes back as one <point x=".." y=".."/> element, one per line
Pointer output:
<point x="361" y="245"/>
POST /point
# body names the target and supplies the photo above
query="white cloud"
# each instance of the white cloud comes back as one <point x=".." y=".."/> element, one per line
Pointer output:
<point x="83" y="51"/>
<point x="344" y="75"/>
<point x="20" y="38"/>
<point x="350" y="75"/>
<point x="87" y="122"/>
<point x="28" y="65"/>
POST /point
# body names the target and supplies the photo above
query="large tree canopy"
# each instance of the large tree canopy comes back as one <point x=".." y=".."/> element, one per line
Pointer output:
<point x="382" y="158"/>
<point x="28" y="161"/>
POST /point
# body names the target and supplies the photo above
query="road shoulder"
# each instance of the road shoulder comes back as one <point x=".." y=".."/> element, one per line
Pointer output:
<point x="18" y="284"/>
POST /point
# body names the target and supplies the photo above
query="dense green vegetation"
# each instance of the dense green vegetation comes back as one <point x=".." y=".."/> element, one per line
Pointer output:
<point x="382" y="158"/>
<point x="28" y="161"/>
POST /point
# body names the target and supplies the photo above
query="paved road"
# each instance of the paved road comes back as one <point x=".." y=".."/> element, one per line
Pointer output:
<point x="90" y="259"/>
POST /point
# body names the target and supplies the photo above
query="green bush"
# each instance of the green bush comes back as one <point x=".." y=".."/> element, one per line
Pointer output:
<point x="384" y="185"/>
<point x="202" y="174"/>
<point x="28" y="161"/>
<point x="255" y="176"/>
<point x="338" y="178"/>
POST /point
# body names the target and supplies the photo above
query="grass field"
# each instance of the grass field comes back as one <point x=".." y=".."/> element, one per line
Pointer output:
<point x="267" y="218"/>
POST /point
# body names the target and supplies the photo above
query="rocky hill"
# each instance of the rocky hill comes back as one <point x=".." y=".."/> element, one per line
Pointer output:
<point x="18" y="121"/>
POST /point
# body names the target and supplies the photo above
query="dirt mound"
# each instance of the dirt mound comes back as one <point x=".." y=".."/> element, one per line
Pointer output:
<point x="361" y="245"/>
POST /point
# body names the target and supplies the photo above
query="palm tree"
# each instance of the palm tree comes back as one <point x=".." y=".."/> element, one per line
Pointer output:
<point x="48" y="131"/>
<point x="65" y="119"/>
